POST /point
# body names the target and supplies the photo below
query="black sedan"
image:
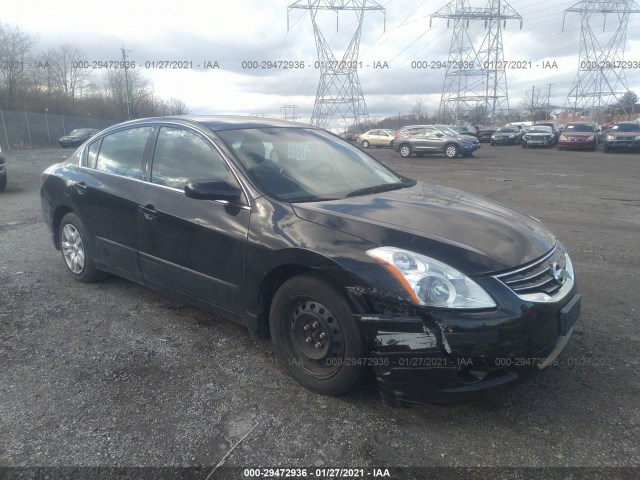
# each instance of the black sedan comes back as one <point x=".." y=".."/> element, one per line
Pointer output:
<point x="77" y="137"/>
<point x="301" y="236"/>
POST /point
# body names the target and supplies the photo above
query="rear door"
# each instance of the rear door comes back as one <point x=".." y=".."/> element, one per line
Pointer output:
<point x="193" y="246"/>
<point x="108" y="193"/>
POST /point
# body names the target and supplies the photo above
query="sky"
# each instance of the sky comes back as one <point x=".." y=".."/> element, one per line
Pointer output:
<point x="238" y="33"/>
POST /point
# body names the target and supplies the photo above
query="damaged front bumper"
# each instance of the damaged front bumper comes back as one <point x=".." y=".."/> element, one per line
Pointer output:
<point x="447" y="357"/>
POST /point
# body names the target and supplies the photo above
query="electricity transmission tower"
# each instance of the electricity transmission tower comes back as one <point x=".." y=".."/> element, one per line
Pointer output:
<point x="339" y="91"/>
<point x="475" y="85"/>
<point x="601" y="81"/>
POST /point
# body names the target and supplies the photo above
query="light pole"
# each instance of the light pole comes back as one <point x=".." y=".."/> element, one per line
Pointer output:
<point x="46" y="121"/>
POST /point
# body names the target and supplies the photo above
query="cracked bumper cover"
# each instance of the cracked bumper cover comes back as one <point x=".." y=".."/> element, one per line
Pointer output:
<point x="444" y="357"/>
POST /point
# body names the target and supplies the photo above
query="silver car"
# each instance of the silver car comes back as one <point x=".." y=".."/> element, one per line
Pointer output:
<point x="376" y="138"/>
<point x="425" y="139"/>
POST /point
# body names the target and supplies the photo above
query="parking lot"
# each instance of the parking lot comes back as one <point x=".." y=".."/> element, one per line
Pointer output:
<point x="113" y="374"/>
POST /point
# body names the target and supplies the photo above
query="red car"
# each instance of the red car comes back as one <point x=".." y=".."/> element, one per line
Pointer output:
<point x="579" y="135"/>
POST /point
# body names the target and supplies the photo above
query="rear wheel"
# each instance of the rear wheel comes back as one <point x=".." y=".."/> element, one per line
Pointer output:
<point x="315" y="335"/>
<point x="76" y="249"/>
<point x="405" y="150"/>
<point x="451" y="150"/>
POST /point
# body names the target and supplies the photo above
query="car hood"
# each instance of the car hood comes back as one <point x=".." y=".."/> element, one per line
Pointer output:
<point x="470" y="233"/>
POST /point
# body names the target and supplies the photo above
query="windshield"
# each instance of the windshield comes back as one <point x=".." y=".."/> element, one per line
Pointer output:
<point x="626" y="127"/>
<point x="448" y="131"/>
<point x="581" y="127"/>
<point x="506" y="130"/>
<point x="540" y="130"/>
<point x="299" y="164"/>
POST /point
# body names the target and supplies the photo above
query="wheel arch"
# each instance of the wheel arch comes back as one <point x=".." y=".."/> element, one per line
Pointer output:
<point x="56" y="219"/>
<point x="323" y="267"/>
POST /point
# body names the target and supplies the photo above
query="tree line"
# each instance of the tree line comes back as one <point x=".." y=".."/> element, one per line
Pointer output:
<point x="48" y="81"/>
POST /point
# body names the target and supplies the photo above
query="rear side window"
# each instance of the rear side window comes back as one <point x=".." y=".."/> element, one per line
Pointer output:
<point x="181" y="155"/>
<point x="121" y="152"/>
<point x="92" y="154"/>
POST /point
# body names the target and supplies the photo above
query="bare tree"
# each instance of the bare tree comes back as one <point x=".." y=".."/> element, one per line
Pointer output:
<point x="140" y="94"/>
<point x="15" y="53"/>
<point x="67" y="76"/>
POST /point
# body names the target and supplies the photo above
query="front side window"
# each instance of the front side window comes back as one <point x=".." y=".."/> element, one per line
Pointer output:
<point x="181" y="155"/>
<point x="121" y="152"/>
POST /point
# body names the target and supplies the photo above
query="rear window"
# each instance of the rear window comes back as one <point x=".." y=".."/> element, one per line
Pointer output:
<point x="121" y="152"/>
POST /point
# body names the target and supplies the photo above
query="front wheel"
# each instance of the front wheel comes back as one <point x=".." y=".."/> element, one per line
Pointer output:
<point x="405" y="151"/>
<point x="451" y="150"/>
<point x="315" y="335"/>
<point x="365" y="144"/>
<point x="76" y="249"/>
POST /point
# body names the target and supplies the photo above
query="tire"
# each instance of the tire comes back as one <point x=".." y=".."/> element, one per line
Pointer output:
<point x="605" y="149"/>
<point x="594" y="147"/>
<point x="524" y="144"/>
<point x="405" y="150"/>
<point x="493" y="144"/>
<point x="77" y="251"/>
<point x="451" y="150"/>
<point x="560" y="148"/>
<point x="365" y="144"/>
<point x="313" y="333"/>
<point x="3" y="182"/>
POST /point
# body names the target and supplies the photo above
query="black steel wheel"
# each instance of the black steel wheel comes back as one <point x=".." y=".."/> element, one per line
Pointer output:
<point x="315" y="335"/>
<point x="76" y="249"/>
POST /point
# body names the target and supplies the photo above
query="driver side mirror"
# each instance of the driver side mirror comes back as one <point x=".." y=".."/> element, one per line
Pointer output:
<point x="211" y="190"/>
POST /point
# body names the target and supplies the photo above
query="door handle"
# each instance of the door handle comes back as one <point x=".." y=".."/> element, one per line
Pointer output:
<point x="148" y="211"/>
<point x="81" y="188"/>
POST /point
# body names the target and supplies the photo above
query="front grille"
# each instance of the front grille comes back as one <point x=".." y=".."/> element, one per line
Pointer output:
<point x="537" y="276"/>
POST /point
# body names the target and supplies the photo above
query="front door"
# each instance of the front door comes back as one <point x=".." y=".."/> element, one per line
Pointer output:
<point x="193" y="246"/>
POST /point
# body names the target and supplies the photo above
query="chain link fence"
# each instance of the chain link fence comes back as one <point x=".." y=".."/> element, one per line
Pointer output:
<point x="19" y="130"/>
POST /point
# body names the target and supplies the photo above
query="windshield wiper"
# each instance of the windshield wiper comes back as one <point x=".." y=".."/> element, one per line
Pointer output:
<point x="385" y="187"/>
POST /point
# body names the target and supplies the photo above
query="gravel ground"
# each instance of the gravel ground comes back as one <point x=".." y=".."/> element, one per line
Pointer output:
<point x="115" y="375"/>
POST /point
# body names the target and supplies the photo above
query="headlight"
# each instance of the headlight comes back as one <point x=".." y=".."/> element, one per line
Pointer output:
<point x="493" y="137"/>
<point x="430" y="282"/>
<point x="563" y="138"/>
<point x="637" y="137"/>
<point x="590" y="137"/>
<point x="512" y="136"/>
<point x="610" y="137"/>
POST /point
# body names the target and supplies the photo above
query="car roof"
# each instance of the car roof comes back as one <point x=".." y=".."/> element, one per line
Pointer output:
<point x="221" y="122"/>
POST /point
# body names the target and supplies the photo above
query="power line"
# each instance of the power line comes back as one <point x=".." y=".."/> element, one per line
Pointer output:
<point x="339" y="91"/>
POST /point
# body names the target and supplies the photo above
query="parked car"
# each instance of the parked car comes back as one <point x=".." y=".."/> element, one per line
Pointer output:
<point x="376" y="138"/>
<point x="484" y="133"/>
<point x="344" y="263"/>
<point x="507" y="136"/>
<point x="77" y="137"/>
<point x="428" y="139"/>
<point x="579" y="136"/>
<point x="464" y="130"/>
<point x="555" y="129"/>
<point x="538" y="136"/>
<point x="623" y="136"/>
<point x="3" y="172"/>
<point x="349" y="136"/>
<point x="447" y="130"/>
